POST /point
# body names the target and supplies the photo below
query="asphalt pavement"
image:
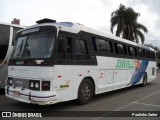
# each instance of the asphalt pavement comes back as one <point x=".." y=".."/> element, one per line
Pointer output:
<point x="113" y="105"/>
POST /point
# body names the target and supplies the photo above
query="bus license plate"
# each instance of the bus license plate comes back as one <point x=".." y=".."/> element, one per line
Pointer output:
<point x="15" y="93"/>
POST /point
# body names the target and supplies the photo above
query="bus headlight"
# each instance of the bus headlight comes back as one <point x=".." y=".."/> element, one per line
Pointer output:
<point x="34" y="85"/>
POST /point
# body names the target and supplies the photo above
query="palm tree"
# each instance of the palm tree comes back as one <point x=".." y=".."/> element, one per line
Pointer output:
<point x="127" y="26"/>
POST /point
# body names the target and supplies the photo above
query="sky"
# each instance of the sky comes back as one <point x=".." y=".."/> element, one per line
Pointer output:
<point x="95" y="14"/>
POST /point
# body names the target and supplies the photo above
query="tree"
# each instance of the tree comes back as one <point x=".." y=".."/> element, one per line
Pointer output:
<point x="127" y="26"/>
<point x="152" y="46"/>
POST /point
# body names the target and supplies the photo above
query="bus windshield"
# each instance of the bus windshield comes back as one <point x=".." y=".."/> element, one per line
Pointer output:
<point x="34" y="46"/>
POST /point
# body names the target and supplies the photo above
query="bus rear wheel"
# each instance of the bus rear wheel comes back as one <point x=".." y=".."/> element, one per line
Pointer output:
<point x="85" y="92"/>
<point x="144" y="83"/>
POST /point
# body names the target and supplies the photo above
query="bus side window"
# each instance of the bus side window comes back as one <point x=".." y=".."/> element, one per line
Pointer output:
<point x="81" y="51"/>
<point x="80" y="47"/>
<point x="132" y="51"/>
<point x="153" y="57"/>
<point x="120" y="49"/>
<point x="147" y="54"/>
<point x="109" y="47"/>
<point x="103" y="45"/>
<point x="141" y="53"/>
<point x="65" y="48"/>
<point x="94" y="43"/>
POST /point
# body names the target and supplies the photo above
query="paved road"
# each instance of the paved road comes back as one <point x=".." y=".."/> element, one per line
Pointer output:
<point x="135" y="98"/>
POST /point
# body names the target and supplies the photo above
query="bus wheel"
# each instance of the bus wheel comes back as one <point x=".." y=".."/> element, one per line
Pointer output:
<point x="144" y="80"/>
<point x="85" y="92"/>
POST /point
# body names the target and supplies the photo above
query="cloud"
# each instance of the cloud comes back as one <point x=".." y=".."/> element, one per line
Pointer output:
<point x="92" y="13"/>
<point x="154" y="5"/>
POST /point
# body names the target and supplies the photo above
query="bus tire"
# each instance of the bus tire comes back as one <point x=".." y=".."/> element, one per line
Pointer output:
<point x="144" y="83"/>
<point x="85" y="91"/>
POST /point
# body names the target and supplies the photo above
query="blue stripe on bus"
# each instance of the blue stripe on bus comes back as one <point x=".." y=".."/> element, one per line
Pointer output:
<point x="139" y="72"/>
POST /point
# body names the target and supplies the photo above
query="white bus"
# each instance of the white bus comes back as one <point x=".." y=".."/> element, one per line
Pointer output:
<point x="55" y="62"/>
<point x="7" y="35"/>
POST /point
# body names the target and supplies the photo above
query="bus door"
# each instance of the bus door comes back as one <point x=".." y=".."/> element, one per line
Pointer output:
<point x="105" y="73"/>
<point x="103" y="48"/>
<point x="121" y="66"/>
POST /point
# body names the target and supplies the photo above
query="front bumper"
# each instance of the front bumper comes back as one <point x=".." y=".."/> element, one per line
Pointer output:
<point x="30" y="96"/>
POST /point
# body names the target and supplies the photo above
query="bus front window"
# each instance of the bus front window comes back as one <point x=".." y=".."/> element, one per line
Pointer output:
<point x="19" y="47"/>
<point x="34" y="46"/>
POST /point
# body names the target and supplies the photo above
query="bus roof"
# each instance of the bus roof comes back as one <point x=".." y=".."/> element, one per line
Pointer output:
<point x="77" y="27"/>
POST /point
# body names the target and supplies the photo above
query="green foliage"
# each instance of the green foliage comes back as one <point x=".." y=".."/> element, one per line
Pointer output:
<point x="126" y="21"/>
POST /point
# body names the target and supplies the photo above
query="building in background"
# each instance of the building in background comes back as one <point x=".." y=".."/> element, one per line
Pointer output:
<point x="15" y="21"/>
<point x="7" y="37"/>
